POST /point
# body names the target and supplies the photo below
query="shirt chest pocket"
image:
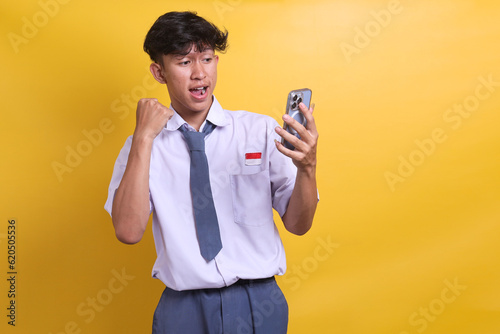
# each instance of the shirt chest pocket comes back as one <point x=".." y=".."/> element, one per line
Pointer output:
<point x="252" y="201"/>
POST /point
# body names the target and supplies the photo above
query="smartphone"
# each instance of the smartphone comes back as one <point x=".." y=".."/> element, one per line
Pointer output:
<point x="295" y="97"/>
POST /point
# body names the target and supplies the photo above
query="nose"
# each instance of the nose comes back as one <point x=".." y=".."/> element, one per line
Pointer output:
<point x="198" y="72"/>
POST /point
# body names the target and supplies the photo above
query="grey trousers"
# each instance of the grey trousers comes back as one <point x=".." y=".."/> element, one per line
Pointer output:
<point x="246" y="307"/>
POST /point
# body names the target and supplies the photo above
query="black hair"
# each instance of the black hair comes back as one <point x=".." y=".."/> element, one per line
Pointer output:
<point x="178" y="32"/>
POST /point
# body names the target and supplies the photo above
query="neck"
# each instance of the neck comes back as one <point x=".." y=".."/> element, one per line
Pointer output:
<point x="195" y="119"/>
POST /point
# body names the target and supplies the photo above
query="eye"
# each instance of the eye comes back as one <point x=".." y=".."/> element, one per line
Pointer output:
<point x="184" y="63"/>
<point x="207" y="60"/>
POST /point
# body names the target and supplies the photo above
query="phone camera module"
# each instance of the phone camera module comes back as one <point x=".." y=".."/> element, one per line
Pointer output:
<point x="297" y="98"/>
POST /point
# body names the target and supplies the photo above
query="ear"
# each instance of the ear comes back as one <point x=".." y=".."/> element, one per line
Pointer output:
<point x="157" y="71"/>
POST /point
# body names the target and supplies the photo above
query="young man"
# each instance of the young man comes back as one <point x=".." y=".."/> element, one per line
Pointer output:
<point x="218" y="248"/>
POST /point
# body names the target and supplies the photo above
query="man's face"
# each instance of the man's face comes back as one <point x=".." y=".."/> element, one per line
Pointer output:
<point x="191" y="81"/>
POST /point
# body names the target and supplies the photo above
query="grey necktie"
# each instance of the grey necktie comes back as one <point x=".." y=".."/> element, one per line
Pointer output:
<point x="207" y="226"/>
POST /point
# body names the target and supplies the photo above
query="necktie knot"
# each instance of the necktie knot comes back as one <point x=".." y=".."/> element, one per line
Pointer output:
<point x="195" y="139"/>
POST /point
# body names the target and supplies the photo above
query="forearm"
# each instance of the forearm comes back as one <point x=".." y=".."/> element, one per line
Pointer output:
<point x="299" y="215"/>
<point x="131" y="207"/>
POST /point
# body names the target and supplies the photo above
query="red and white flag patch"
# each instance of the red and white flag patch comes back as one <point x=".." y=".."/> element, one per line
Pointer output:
<point x="253" y="159"/>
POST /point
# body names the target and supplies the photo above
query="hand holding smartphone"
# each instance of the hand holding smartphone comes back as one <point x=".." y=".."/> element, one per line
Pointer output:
<point x="295" y="97"/>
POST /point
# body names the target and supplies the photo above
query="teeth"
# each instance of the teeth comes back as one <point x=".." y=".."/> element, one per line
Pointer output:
<point x="202" y="89"/>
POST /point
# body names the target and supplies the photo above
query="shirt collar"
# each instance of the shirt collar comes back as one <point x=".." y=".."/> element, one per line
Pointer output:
<point x="216" y="115"/>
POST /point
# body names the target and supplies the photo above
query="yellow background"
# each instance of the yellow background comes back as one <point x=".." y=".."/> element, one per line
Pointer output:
<point x="392" y="250"/>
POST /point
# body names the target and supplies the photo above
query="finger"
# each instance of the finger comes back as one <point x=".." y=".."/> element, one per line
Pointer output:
<point x="311" y="124"/>
<point x="296" y="142"/>
<point x="291" y="122"/>
<point x="301" y="130"/>
<point x="170" y="113"/>
<point x="289" y="153"/>
<point x="303" y="108"/>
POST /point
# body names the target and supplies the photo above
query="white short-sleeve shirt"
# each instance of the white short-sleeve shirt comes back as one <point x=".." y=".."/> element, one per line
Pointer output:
<point x="248" y="176"/>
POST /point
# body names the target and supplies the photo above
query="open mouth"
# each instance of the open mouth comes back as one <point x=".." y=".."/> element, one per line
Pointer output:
<point x="199" y="92"/>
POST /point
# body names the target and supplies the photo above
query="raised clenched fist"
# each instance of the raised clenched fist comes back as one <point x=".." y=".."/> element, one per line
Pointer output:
<point x="151" y="118"/>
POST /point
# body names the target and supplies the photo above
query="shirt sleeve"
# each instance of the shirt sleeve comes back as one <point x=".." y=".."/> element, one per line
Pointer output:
<point x="116" y="178"/>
